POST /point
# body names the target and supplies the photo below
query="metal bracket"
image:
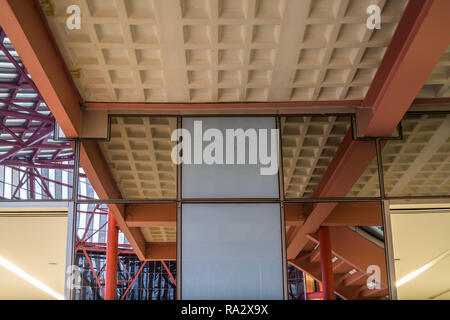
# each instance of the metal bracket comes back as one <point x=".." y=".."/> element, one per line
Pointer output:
<point x="104" y="134"/>
<point x="356" y="137"/>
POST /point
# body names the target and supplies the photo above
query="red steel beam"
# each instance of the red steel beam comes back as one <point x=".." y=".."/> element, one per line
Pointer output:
<point x="151" y="215"/>
<point x="313" y="269"/>
<point x="161" y="251"/>
<point x="356" y="250"/>
<point x="111" y="259"/>
<point x="345" y="214"/>
<point x="223" y="105"/>
<point x="126" y="270"/>
<point x="420" y="40"/>
<point x="93" y="233"/>
<point x="134" y="279"/>
<point x="92" y="269"/>
<point x="103" y="250"/>
<point x="168" y="271"/>
<point x="83" y="237"/>
<point x="314" y="295"/>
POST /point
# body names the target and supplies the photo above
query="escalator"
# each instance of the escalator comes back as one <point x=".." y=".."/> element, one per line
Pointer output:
<point x="359" y="264"/>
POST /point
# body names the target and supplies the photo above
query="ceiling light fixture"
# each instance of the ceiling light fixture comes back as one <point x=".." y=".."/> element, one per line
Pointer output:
<point x="422" y="269"/>
<point x="35" y="282"/>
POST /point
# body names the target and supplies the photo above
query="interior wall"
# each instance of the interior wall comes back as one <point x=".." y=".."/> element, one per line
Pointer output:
<point x="33" y="239"/>
<point x="419" y="237"/>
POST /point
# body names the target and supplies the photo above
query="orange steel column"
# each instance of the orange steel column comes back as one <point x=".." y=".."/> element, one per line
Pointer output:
<point x="325" y="261"/>
<point x="111" y="259"/>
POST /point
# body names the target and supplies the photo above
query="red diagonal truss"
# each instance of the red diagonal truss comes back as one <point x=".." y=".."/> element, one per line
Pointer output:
<point x="26" y="130"/>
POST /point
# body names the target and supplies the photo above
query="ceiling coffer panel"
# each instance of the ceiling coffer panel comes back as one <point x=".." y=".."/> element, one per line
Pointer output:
<point x="222" y="50"/>
<point x="159" y="234"/>
<point x="438" y="83"/>
<point x="139" y="156"/>
<point x="308" y="146"/>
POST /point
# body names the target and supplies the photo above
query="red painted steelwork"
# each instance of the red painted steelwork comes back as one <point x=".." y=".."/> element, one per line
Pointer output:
<point x="111" y="259"/>
<point x="213" y="106"/>
<point x="92" y="269"/>
<point x="170" y="273"/>
<point x="30" y="132"/>
<point x="29" y="33"/>
<point x="314" y="295"/>
<point x="134" y="279"/>
<point x="419" y="41"/>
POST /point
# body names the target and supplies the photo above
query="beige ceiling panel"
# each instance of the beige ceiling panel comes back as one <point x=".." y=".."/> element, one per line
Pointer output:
<point x="420" y="164"/>
<point x="139" y="156"/>
<point x="438" y="83"/>
<point x="222" y="50"/>
<point x="308" y="146"/>
<point x="368" y="184"/>
<point x="159" y="234"/>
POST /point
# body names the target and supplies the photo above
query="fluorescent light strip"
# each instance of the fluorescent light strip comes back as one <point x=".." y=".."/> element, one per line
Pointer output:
<point x="422" y="269"/>
<point x="35" y="282"/>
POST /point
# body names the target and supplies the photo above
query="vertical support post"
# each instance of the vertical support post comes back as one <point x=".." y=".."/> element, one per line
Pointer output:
<point x="70" y="256"/>
<point x="72" y="223"/>
<point x="111" y="259"/>
<point x="325" y="261"/>
<point x="178" y="228"/>
<point x="386" y="214"/>
<point x="389" y="249"/>
<point x="305" y="290"/>
<point x="282" y="210"/>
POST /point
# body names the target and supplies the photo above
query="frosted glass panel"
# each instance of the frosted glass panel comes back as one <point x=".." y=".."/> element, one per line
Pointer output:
<point x="231" y="251"/>
<point x="232" y="180"/>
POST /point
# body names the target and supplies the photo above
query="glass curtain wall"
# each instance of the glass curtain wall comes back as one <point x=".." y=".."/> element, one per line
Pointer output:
<point x="409" y="167"/>
<point x="231" y="250"/>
